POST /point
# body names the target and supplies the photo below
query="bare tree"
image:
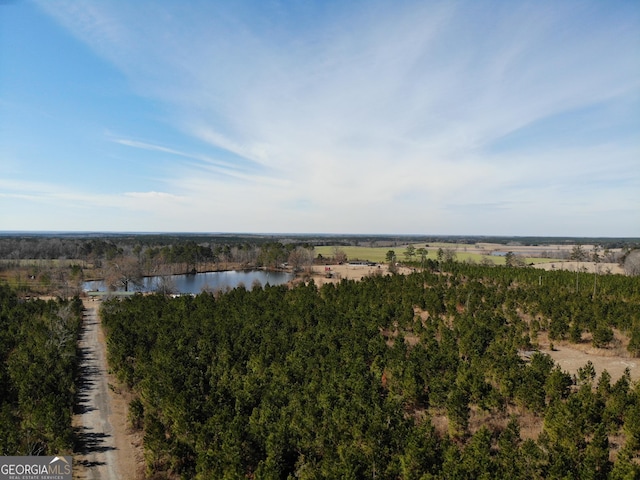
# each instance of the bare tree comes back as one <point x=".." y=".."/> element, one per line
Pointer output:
<point x="166" y="285"/>
<point x="124" y="272"/>
<point x="578" y="255"/>
<point x="339" y="255"/>
<point x="299" y="258"/>
<point x="632" y="263"/>
<point x="487" y="262"/>
<point x="449" y="254"/>
<point x="596" y="258"/>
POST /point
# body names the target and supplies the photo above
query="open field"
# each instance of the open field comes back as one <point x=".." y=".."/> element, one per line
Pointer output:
<point x="349" y="272"/>
<point x="371" y="254"/>
<point x="477" y="253"/>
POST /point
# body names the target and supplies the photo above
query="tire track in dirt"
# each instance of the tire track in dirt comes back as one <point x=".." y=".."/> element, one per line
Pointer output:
<point x="103" y="448"/>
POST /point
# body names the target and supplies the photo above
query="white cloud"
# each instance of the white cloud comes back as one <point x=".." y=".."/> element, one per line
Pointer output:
<point x="153" y="196"/>
<point x="52" y="196"/>
<point x="368" y="111"/>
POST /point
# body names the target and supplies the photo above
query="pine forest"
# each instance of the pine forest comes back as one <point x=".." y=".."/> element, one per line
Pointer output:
<point x="420" y="376"/>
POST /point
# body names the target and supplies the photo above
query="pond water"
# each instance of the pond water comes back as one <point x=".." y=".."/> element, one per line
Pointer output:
<point x="197" y="282"/>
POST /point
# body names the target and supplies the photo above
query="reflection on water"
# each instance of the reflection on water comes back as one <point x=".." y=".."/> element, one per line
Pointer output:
<point x="196" y="283"/>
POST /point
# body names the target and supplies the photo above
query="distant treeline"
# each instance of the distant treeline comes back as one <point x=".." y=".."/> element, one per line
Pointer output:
<point x="150" y="250"/>
<point x="422" y="376"/>
<point x="105" y="246"/>
<point x="109" y="246"/>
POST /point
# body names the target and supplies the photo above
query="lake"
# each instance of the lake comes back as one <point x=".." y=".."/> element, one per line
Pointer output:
<point x="197" y="282"/>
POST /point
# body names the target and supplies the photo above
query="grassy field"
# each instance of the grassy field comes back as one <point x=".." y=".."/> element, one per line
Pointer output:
<point x="378" y="254"/>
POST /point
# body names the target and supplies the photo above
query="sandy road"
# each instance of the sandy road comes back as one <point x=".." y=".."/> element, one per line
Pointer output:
<point x="102" y="450"/>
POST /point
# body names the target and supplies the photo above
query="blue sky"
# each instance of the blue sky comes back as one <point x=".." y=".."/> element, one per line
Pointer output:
<point x="404" y="117"/>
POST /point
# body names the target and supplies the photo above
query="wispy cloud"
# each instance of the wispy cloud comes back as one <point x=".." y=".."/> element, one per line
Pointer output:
<point x="55" y="196"/>
<point x="172" y="151"/>
<point x="373" y="107"/>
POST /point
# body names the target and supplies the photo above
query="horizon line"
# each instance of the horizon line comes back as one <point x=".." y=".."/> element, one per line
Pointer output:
<point x="297" y="234"/>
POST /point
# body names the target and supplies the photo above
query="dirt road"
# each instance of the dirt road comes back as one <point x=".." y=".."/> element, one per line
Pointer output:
<point x="103" y="450"/>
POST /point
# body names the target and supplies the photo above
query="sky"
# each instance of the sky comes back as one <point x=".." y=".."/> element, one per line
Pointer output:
<point x="358" y="117"/>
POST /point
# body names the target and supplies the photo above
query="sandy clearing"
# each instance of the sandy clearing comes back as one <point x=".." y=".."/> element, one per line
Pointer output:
<point x="570" y="360"/>
<point x="350" y="272"/>
<point x="570" y="356"/>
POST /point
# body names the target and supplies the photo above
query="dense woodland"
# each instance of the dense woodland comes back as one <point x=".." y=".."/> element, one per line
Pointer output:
<point x="395" y="377"/>
<point x="38" y="363"/>
<point x="58" y="265"/>
<point x="105" y="246"/>
<point x="149" y="251"/>
<point x="260" y="250"/>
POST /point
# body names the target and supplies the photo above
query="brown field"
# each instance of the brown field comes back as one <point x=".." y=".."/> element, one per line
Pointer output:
<point x="349" y="272"/>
